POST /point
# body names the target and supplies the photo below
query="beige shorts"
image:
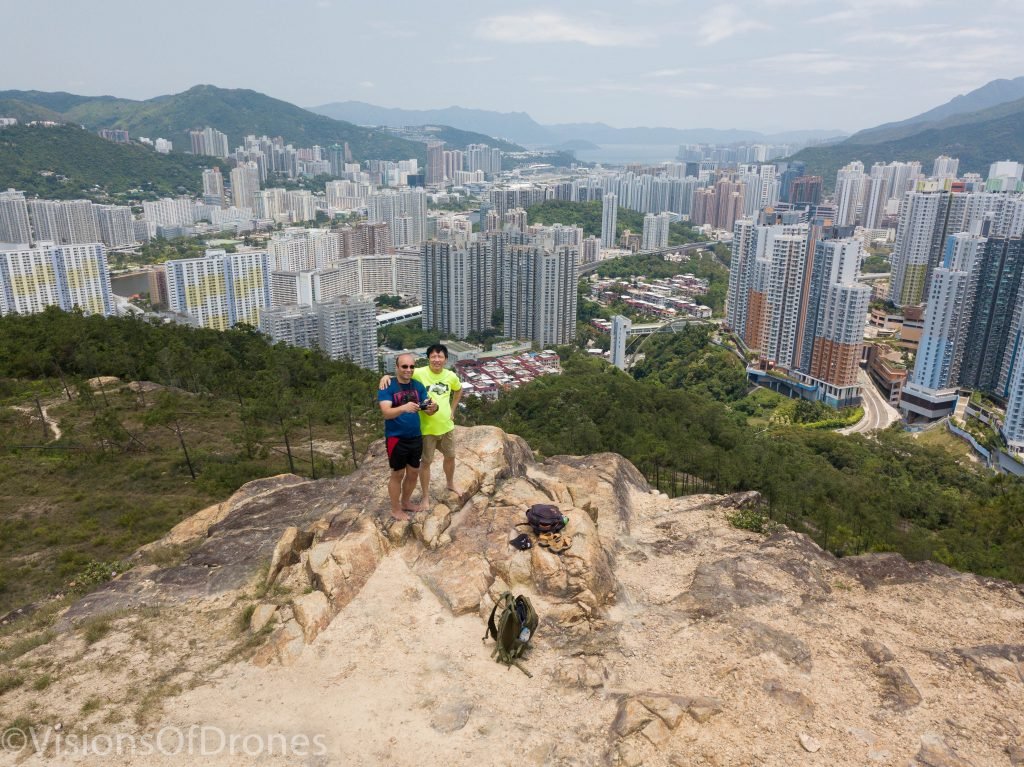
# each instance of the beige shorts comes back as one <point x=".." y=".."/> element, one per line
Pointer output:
<point x="445" y="443"/>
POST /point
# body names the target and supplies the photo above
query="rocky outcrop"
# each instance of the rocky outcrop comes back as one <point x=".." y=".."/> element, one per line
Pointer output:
<point x="667" y="636"/>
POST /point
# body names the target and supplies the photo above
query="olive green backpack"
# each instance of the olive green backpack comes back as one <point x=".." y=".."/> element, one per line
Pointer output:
<point x="512" y="631"/>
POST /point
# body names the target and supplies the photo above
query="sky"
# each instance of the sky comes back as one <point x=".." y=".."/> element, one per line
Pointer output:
<point x="767" y="65"/>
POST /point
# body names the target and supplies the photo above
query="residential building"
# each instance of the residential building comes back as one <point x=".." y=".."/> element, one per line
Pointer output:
<point x="219" y="290"/>
<point x="342" y="328"/>
<point x="656" y="227"/>
<point x="620" y="336"/>
<point x="245" y="183"/>
<point x="209" y="141"/>
<point x="458" y="287"/>
<point x="213" y="187"/>
<point x="68" y="276"/>
<point x="15" y="228"/>
<point x="609" y="219"/>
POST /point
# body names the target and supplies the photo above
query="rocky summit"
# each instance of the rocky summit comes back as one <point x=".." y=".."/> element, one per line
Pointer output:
<point x="667" y="636"/>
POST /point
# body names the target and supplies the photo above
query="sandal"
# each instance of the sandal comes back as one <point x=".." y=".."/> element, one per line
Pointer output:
<point x="550" y="539"/>
<point x="561" y="544"/>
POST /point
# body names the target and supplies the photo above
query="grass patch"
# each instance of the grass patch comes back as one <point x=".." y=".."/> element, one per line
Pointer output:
<point x="42" y="682"/>
<point x="91" y="706"/>
<point x="152" y="702"/>
<point x="10" y="681"/>
<point x="15" y="735"/>
<point x="19" y="647"/>
<point x="98" y="626"/>
<point x="754" y="520"/>
<point x="245" y="618"/>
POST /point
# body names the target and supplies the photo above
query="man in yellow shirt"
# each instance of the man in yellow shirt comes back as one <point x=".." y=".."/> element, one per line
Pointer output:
<point x="438" y="428"/>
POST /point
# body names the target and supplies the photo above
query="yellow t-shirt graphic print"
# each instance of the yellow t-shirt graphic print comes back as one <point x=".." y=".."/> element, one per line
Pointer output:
<point x="439" y="388"/>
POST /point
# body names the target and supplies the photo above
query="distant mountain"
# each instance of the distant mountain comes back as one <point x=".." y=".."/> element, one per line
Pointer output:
<point x="523" y="129"/>
<point x="989" y="95"/>
<point x="599" y="133"/>
<point x="235" y="112"/>
<point x="517" y="127"/>
<point x="68" y="162"/>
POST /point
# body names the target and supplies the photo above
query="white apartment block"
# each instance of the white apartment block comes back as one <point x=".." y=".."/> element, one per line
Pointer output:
<point x="63" y="221"/>
<point x="117" y="225"/>
<point x="220" y="290"/>
<point x="68" y="276"/>
<point x="655" y="235"/>
<point x="405" y="212"/>
<point x="15" y="228"/>
<point x="343" y="328"/>
<point x="947" y="314"/>
<point x="609" y="219"/>
<point x="170" y="211"/>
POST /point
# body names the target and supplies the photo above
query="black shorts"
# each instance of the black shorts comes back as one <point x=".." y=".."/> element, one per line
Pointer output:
<point x="404" y="451"/>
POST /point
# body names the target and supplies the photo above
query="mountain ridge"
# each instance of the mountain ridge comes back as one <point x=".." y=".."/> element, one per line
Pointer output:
<point x="236" y="112"/>
<point x="521" y="128"/>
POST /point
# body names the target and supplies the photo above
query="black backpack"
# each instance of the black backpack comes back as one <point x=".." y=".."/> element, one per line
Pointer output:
<point x="516" y="624"/>
<point x="545" y="518"/>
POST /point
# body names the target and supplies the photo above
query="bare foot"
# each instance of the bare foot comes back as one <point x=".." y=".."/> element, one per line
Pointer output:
<point x="453" y="490"/>
<point x="424" y="506"/>
<point x="401" y="516"/>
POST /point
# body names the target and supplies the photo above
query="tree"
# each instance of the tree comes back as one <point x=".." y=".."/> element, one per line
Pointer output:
<point x="165" y="413"/>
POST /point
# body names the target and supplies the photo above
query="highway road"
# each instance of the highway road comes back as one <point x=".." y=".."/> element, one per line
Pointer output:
<point x="878" y="413"/>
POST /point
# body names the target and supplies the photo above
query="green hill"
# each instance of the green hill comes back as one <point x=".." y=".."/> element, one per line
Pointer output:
<point x="977" y="139"/>
<point x="25" y="112"/>
<point x="66" y="162"/>
<point x="979" y="105"/>
<point x="454" y="138"/>
<point x="235" y="112"/>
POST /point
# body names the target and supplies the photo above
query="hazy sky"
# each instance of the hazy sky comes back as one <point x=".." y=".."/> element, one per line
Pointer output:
<point x="755" y="64"/>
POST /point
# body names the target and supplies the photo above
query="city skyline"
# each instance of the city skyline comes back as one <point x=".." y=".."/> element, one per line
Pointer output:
<point x="772" y="65"/>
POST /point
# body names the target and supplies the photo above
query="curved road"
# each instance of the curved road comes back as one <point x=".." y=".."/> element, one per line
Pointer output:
<point x="878" y="413"/>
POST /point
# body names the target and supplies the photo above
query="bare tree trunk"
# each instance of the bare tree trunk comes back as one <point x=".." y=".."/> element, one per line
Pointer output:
<point x="287" y="446"/>
<point x="181" y="439"/>
<point x="312" y="458"/>
<point x="351" y="436"/>
<point x="42" y="417"/>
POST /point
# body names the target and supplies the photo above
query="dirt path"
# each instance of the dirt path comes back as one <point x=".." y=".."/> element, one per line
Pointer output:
<point x="51" y="423"/>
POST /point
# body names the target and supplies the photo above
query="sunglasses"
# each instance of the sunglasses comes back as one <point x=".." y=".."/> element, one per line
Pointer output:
<point x="406" y="367"/>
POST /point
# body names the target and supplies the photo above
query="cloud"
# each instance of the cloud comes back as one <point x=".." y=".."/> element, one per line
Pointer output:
<point x="810" y="62"/>
<point x="723" y="22"/>
<point x="542" y="27"/>
<point x="367" y="84"/>
<point x="928" y="34"/>
<point x="469" y="59"/>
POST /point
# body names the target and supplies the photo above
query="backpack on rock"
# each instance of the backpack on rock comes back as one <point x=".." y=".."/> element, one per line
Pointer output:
<point x="515" y="626"/>
<point x="545" y="518"/>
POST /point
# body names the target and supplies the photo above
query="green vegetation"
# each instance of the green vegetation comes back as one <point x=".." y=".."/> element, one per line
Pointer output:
<point x="701" y="264"/>
<point x="851" y="494"/>
<point x="587" y="215"/>
<point x="66" y="162"/>
<point x="687" y="360"/>
<point x="878" y="262"/>
<point x="406" y="335"/>
<point x="132" y="462"/>
<point x="561" y="159"/>
<point x="456" y="138"/>
<point x="160" y="250"/>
